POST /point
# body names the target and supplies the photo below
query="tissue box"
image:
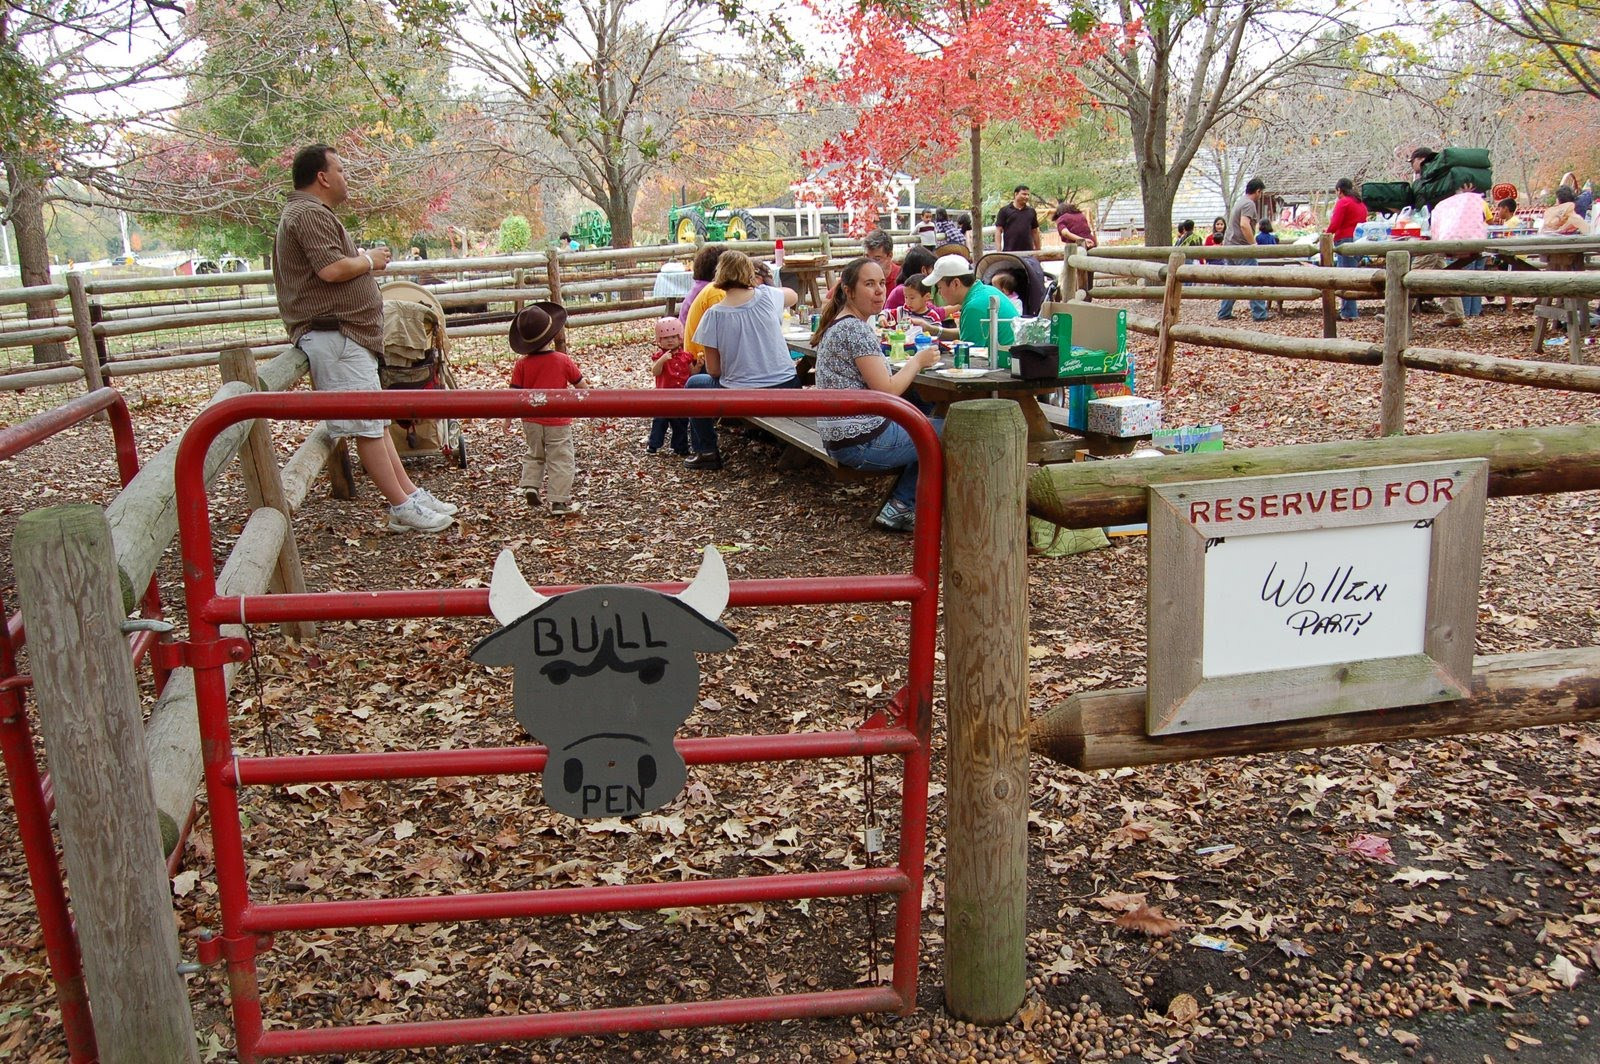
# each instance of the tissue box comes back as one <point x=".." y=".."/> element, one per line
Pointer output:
<point x="1125" y="415"/>
<point x="1089" y="360"/>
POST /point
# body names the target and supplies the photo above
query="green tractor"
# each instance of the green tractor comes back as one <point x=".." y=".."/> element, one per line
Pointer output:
<point x="592" y="230"/>
<point x="708" y="220"/>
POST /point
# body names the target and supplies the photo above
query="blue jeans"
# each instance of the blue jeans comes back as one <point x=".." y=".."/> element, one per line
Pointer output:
<point x="703" y="430"/>
<point x="889" y="450"/>
<point x="680" y="433"/>
<point x="1258" y="307"/>
<point x="1349" y="310"/>
<point x="1472" y="306"/>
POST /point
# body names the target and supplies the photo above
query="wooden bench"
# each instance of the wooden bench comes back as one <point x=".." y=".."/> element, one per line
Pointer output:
<point x="802" y="439"/>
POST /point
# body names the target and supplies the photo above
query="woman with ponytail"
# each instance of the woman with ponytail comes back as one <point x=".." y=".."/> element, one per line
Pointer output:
<point x="849" y="356"/>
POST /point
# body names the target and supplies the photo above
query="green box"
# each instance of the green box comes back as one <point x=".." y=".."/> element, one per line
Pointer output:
<point x="1073" y="360"/>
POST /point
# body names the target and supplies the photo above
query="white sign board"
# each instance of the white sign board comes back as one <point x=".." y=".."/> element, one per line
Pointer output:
<point x="1313" y="598"/>
<point x="1274" y="598"/>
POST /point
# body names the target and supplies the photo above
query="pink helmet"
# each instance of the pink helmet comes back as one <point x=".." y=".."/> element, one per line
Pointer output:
<point x="669" y="332"/>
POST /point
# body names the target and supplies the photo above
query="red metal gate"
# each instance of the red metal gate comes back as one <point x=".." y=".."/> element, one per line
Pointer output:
<point x="247" y="925"/>
<point x="31" y="793"/>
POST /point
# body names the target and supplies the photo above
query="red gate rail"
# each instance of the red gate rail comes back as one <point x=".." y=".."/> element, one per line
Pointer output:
<point x="903" y="732"/>
<point x="31" y="793"/>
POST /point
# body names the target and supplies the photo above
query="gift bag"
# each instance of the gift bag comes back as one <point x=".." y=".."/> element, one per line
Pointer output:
<point x="1188" y="439"/>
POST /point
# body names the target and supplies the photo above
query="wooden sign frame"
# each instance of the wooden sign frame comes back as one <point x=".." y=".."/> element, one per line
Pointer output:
<point x="1186" y="519"/>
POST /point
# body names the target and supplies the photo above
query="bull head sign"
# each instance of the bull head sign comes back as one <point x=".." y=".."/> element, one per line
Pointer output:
<point x="604" y="676"/>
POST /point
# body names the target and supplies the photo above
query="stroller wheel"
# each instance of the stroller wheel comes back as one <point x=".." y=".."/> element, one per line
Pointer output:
<point x="461" y="451"/>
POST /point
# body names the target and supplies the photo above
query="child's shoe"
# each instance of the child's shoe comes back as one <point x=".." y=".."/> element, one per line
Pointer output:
<point x="562" y="509"/>
<point x="532" y="496"/>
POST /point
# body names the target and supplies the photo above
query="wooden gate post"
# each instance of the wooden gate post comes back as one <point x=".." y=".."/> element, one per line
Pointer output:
<point x="1330" y="298"/>
<point x="263" y="486"/>
<point x="986" y="648"/>
<point x="1171" y="307"/>
<point x="93" y="731"/>
<point x="1396" y="338"/>
<point x="552" y="271"/>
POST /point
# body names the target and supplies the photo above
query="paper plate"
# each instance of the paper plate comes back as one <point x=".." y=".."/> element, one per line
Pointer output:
<point x="962" y="373"/>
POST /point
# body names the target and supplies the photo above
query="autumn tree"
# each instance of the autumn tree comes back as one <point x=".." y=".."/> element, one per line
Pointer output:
<point x="1086" y="162"/>
<point x="68" y="71"/>
<point x="270" y="81"/>
<point x="1195" y="63"/>
<point x="925" y="81"/>
<point x="600" y="94"/>
<point x="1566" y="32"/>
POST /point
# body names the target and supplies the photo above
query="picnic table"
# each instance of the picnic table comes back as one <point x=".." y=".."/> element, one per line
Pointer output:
<point x="945" y="386"/>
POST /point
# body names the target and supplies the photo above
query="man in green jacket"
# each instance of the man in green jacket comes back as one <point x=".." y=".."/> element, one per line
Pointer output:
<point x="956" y="285"/>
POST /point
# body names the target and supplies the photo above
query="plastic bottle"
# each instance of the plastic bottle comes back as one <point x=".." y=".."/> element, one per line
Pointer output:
<point x="777" y="253"/>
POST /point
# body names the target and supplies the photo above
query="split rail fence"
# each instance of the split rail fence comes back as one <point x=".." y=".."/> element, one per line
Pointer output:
<point x="1397" y="284"/>
<point x="95" y="330"/>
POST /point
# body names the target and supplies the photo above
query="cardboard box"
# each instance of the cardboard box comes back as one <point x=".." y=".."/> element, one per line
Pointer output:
<point x="1087" y="339"/>
<point x="1125" y="415"/>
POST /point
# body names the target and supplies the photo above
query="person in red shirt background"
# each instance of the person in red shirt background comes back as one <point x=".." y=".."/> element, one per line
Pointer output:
<point x="1076" y="232"/>
<point x="1219" y="226"/>
<point x="671" y="364"/>
<point x="1348" y="212"/>
<point x="550" y="463"/>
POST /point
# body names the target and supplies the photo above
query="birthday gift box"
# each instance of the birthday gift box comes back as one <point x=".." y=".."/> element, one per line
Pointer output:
<point x="1125" y="415"/>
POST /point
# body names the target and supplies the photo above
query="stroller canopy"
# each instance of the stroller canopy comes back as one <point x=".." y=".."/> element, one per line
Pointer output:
<point x="1024" y="269"/>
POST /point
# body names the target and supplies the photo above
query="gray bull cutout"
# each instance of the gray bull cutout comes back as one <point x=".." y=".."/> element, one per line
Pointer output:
<point x="604" y="676"/>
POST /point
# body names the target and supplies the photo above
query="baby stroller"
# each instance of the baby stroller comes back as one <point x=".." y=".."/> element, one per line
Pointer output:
<point x="415" y="355"/>
<point x="1032" y="287"/>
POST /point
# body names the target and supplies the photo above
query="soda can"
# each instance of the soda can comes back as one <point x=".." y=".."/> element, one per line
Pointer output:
<point x="963" y="355"/>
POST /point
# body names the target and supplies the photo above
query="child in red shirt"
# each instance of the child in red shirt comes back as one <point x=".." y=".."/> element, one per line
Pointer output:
<point x="671" y="367"/>
<point x="550" y="463"/>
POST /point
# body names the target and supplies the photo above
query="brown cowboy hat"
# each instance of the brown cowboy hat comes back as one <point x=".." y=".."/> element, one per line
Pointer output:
<point x="536" y="327"/>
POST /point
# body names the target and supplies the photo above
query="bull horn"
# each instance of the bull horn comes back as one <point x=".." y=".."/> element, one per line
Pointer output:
<point x="510" y="597"/>
<point x="708" y="594"/>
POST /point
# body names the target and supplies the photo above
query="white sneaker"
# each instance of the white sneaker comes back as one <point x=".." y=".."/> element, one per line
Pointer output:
<point x="438" y="506"/>
<point x="412" y="516"/>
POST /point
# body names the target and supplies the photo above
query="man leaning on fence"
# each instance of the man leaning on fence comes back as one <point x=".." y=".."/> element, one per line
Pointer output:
<point x="331" y="306"/>
<point x="1242" y="221"/>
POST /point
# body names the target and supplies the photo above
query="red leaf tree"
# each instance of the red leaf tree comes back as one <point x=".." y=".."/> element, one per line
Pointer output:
<point x="924" y="81"/>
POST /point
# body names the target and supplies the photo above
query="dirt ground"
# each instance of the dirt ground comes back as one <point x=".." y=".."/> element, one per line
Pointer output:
<point x="1421" y="900"/>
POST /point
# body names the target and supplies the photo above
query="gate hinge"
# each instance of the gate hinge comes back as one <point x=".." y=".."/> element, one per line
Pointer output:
<point x="202" y="655"/>
<point x="213" y="949"/>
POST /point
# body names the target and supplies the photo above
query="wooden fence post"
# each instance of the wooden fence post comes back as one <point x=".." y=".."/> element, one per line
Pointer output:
<point x="1330" y="300"/>
<point x="1171" y="306"/>
<point x="90" y="718"/>
<point x="986" y="647"/>
<point x="79" y="298"/>
<point x="1396" y="338"/>
<point x="552" y="271"/>
<point x="263" y="486"/>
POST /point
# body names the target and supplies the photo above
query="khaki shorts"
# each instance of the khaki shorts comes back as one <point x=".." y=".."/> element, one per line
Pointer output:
<point x="339" y="364"/>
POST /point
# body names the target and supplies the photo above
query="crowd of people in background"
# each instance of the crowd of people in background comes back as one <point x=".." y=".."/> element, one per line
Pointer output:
<point x="728" y="331"/>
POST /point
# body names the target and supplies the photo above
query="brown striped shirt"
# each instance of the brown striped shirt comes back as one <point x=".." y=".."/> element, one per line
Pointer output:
<point x="310" y="238"/>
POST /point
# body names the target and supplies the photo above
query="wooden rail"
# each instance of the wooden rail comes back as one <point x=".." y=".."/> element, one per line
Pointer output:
<point x="1396" y="282"/>
<point x="96" y="311"/>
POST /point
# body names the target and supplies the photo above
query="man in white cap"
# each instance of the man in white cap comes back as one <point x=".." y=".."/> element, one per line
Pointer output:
<point x="954" y="282"/>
